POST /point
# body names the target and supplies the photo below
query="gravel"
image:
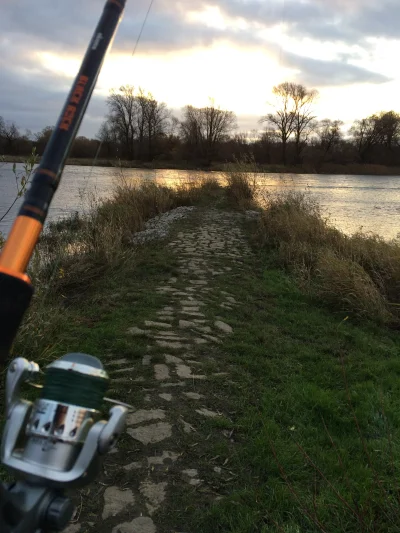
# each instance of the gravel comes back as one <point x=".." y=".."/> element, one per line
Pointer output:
<point x="158" y="227"/>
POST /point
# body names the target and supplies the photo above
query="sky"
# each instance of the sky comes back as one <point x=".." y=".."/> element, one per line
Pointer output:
<point x="233" y="51"/>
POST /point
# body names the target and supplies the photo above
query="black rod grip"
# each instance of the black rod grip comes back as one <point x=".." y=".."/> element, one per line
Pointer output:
<point x="15" y="297"/>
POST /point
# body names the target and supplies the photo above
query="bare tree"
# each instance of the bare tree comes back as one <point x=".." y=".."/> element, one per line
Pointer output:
<point x="283" y="120"/>
<point x="190" y="126"/>
<point x="205" y="128"/>
<point x="304" y="118"/>
<point x="293" y="115"/>
<point x="42" y="137"/>
<point x="156" y="118"/>
<point x="122" y="105"/>
<point x="10" y="133"/>
<point x="329" y="134"/>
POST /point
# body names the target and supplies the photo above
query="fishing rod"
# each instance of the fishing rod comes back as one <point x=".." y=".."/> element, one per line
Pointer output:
<point x="58" y="442"/>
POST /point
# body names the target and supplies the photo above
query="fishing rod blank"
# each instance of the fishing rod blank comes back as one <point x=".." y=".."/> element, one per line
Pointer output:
<point x="15" y="287"/>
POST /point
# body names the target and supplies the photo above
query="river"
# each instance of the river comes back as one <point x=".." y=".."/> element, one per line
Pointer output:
<point x="352" y="202"/>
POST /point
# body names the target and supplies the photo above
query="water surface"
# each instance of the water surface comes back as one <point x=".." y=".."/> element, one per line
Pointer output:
<point x="353" y="202"/>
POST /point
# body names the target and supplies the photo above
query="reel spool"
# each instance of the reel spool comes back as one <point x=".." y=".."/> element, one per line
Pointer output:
<point x="59" y="440"/>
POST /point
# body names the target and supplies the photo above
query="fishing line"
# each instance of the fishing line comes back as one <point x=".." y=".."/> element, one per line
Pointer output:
<point x="142" y="28"/>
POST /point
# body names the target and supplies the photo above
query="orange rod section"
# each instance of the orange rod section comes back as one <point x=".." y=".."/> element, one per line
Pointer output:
<point x="19" y="246"/>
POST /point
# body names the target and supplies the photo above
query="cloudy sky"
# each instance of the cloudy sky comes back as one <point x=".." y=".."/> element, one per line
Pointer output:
<point x="234" y="51"/>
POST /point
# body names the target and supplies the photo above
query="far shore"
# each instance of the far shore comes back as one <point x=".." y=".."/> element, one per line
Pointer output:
<point x="306" y="168"/>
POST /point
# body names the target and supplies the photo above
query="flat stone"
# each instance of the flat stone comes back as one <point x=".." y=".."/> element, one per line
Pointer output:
<point x="144" y="415"/>
<point x="190" y="472"/>
<point x="155" y="494"/>
<point x="143" y="524"/>
<point x="198" y="282"/>
<point x="73" y="528"/>
<point x="217" y="469"/>
<point x="133" y="466"/>
<point x="185" y="372"/>
<point x="191" y="313"/>
<point x="152" y="433"/>
<point x="169" y="338"/>
<point x="159" y="459"/>
<point x="166" y="396"/>
<point x="191" y="302"/>
<point x="171" y="359"/>
<point x="199" y="340"/>
<point x="178" y="384"/>
<point x="207" y="413"/>
<point x="226" y="328"/>
<point x="164" y="313"/>
<point x="115" y="501"/>
<point x="164" y="334"/>
<point x="193" y="395"/>
<point x="150" y="323"/>
<point x="231" y="299"/>
<point x="146" y="360"/>
<point x="212" y="338"/>
<point x="186" y="324"/>
<point x="169" y="344"/>
<point x="161" y="372"/>
<point x="204" y="329"/>
<point x="172" y="280"/>
<point x="187" y="428"/>
<point x="191" y="308"/>
<point x="190" y="476"/>
<point x="137" y="332"/>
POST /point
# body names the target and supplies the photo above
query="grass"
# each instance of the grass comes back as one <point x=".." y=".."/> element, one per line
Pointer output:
<point x="310" y="437"/>
<point x="241" y="182"/>
<point x="76" y="254"/>
<point x="316" y="423"/>
<point x="358" y="274"/>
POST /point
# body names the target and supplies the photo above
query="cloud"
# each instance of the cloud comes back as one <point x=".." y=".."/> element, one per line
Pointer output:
<point x="33" y="95"/>
<point x="321" y="73"/>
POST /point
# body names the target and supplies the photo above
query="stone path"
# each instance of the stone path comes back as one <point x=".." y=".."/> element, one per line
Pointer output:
<point x="183" y="337"/>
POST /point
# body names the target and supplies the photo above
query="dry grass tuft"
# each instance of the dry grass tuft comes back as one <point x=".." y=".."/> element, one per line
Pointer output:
<point x="241" y="179"/>
<point x="358" y="274"/>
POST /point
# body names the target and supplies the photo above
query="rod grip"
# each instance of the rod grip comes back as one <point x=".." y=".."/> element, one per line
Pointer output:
<point x="15" y="297"/>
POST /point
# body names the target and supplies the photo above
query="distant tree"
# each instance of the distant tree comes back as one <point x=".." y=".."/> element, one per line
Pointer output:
<point x="205" y="128"/>
<point x="2" y="125"/>
<point x="122" y="105"/>
<point x="293" y="115"/>
<point x="304" y="118"/>
<point x="10" y="133"/>
<point x="329" y="135"/>
<point x="157" y="118"/>
<point x="42" y="137"/>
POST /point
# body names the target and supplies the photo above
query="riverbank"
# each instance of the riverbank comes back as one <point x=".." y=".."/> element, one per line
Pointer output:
<point x="257" y="409"/>
<point x="324" y="168"/>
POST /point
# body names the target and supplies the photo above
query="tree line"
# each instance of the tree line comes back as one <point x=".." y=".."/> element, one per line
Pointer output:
<point x="138" y="127"/>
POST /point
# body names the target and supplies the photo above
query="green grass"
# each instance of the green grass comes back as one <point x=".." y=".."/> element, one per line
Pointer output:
<point x="317" y="416"/>
<point x="309" y="440"/>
